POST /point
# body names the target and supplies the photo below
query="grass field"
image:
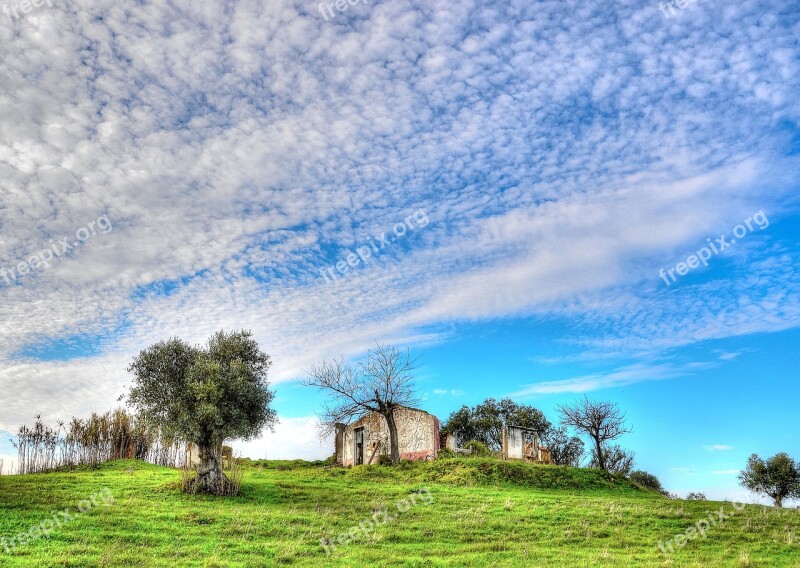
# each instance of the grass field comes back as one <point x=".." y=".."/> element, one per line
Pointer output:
<point x="456" y="512"/>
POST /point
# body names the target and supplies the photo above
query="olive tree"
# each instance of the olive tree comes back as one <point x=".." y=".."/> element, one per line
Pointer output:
<point x="205" y="395"/>
<point x="777" y="477"/>
<point x="383" y="383"/>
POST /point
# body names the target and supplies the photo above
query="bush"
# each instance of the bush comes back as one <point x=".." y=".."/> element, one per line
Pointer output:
<point x="617" y="460"/>
<point x="479" y="449"/>
<point x="647" y="481"/>
<point x="696" y="496"/>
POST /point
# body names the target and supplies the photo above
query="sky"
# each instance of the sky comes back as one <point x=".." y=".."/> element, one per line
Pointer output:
<point x="541" y="200"/>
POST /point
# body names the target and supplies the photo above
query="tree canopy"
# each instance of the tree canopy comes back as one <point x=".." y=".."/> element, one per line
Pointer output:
<point x="205" y="395"/>
<point x="484" y="422"/>
<point x="777" y="477"/>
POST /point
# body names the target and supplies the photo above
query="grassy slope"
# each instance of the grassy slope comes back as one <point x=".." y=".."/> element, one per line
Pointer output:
<point x="484" y="513"/>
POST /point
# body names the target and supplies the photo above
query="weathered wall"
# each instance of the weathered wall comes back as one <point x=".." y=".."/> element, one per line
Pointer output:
<point x="515" y="448"/>
<point x="193" y="455"/>
<point x="417" y="432"/>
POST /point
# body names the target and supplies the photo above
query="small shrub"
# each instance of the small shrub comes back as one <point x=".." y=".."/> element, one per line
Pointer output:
<point x="696" y="496"/>
<point x="232" y="479"/>
<point x="478" y="449"/>
<point x="647" y="481"/>
<point x="384" y="459"/>
<point x="187" y="484"/>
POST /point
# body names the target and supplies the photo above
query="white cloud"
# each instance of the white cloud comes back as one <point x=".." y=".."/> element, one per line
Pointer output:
<point x="729" y="356"/>
<point x="622" y="376"/>
<point x="294" y="438"/>
<point x="236" y="148"/>
<point x="9" y="464"/>
<point x="717" y="448"/>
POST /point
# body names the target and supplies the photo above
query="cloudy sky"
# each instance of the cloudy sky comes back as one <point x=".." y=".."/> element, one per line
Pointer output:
<point x="522" y="180"/>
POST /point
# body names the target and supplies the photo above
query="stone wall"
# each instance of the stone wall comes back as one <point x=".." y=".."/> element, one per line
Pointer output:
<point x="417" y="432"/>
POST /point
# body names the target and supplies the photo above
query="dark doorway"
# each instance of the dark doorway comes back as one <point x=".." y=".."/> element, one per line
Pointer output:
<point x="359" y="446"/>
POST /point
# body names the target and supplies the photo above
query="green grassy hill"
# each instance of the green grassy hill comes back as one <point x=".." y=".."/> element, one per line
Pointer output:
<point x="456" y="512"/>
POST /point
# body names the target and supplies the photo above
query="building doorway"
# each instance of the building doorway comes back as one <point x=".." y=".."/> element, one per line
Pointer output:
<point x="359" y="445"/>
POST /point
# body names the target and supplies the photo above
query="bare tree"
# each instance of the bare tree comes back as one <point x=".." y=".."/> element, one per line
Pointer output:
<point x="602" y="421"/>
<point x="382" y="383"/>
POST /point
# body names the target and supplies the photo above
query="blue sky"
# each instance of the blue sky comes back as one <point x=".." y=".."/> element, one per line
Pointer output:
<point x="514" y="176"/>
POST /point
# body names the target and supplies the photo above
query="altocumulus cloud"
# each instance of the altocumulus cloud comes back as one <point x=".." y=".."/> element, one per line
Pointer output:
<point x="237" y="148"/>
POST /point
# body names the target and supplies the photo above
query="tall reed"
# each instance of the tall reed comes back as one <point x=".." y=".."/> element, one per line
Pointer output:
<point x="97" y="439"/>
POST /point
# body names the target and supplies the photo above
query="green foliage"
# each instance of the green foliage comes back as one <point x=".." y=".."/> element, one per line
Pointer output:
<point x="484" y="422"/>
<point x="446" y="453"/>
<point x="647" y="481"/>
<point x="778" y="477"/>
<point x="205" y="396"/>
<point x="564" y="449"/>
<point x="479" y="449"/>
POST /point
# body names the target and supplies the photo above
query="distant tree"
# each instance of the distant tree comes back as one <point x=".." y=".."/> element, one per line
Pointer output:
<point x="647" y="480"/>
<point x="601" y="421"/>
<point x="778" y="477"/>
<point x="614" y="460"/>
<point x="696" y="496"/>
<point x="383" y="383"/>
<point x="485" y="421"/>
<point x="564" y="449"/>
<point x="205" y="396"/>
<point x="461" y="425"/>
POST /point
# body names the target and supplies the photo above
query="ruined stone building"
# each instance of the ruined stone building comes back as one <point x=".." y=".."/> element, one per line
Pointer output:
<point x="522" y="444"/>
<point x="363" y="441"/>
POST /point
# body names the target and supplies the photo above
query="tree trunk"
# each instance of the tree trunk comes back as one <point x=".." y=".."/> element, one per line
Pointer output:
<point x="393" y="441"/>
<point x="778" y="502"/>
<point x="601" y="461"/>
<point x="210" y="478"/>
